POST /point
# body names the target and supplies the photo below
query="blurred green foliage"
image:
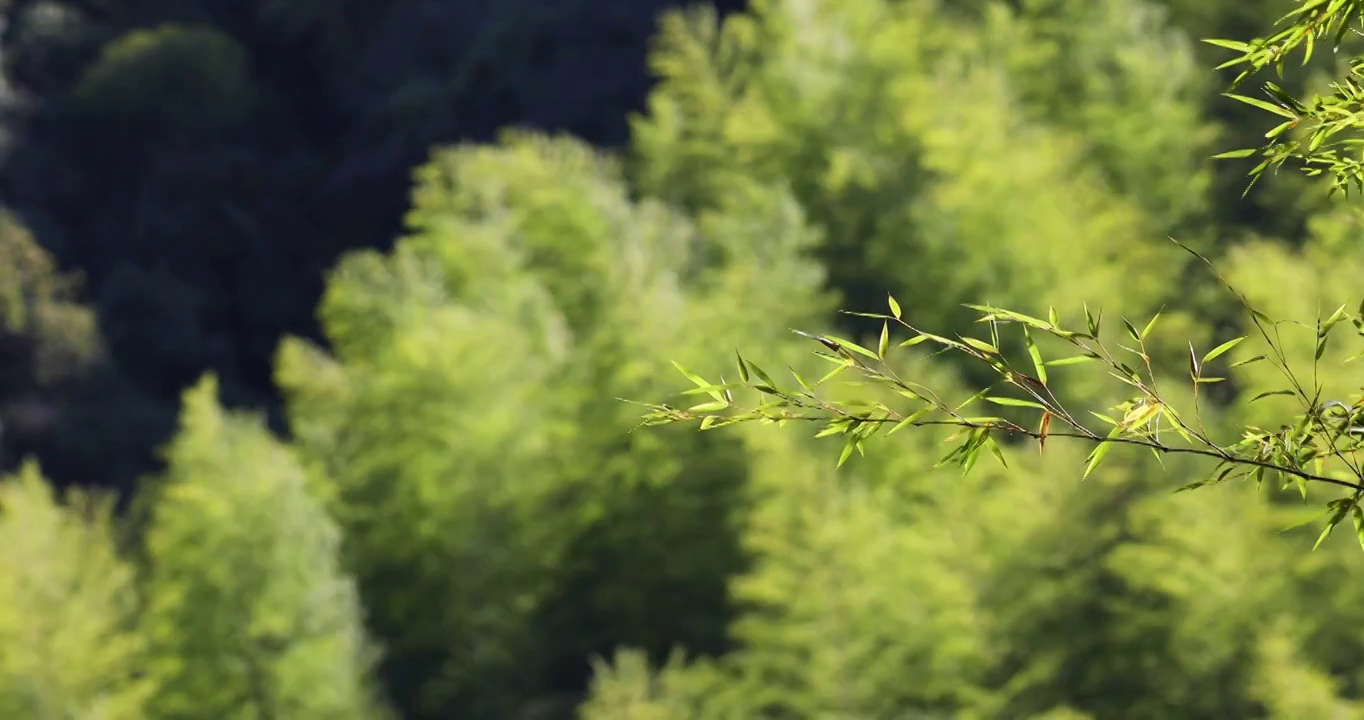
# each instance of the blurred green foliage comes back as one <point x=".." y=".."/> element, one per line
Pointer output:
<point x="441" y="510"/>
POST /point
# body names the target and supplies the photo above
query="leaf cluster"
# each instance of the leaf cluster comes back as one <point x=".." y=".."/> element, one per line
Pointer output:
<point x="1320" y="445"/>
<point x="1320" y="131"/>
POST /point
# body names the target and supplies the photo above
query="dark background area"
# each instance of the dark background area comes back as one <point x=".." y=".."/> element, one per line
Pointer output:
<point x="200" y="164"/>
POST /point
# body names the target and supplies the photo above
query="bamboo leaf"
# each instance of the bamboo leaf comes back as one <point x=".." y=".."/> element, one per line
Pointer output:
<point x="1036" y="355"/>
<point x="1099" y="452"/>
<point x="1336" y="517"/>
<point x="1229" y="44"/>
<point x="1014" y="402"/>
<point x="847" y="452"/>
<point x="850" y="345"/>
<point x="910" y="420"/>
<point x="1223" y="348"/>
<point x="1261" y="104"/>
<point x="699" y="381"/>
<point x="981" y="345"/>
<point x="1131" y="330"/>
<point x="708" y="407"/>
<point x="1074" y="360"/>
<point x="1150" y="325"/>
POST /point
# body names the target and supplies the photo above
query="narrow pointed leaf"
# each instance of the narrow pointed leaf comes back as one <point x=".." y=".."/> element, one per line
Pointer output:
<point x="1014" y="402"/>
<point x="1036" y="356"/>
<point x="1223" y="348"/>
<point x="1099" y="452"/>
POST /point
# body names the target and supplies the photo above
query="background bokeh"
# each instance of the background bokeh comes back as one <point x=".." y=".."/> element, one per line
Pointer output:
<point x="314" y="317"/>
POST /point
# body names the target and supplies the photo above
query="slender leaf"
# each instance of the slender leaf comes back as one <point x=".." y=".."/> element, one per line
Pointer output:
<point x="1221" y="349"/>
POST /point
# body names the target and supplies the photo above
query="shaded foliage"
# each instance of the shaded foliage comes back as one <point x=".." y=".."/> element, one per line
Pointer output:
<point x="455" y="519"/>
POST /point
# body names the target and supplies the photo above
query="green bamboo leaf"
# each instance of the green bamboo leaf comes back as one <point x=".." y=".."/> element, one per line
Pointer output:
<point x="1336" y="517"/>
<point x="1147" y="330"/>
<point x="981" y="345"/>
<point x="1306" y="520"/>
<point x="708" y="407"/>
<point x="1279" y="129"/>
<point x="1014" y="402"/>
<point x="850" y="345"/>
<point x="994" y="449"/>
<point x="743" y="369"/>
<point x="1099" y="452"/>
<point x="973" y="398"/>
<point x="767" y="379"/>
<point x="1229" y="44"/>
<point x="994" y="313"/>
<point x="832" y="429"/>
<point x="699" y="381"/>
<point x="847" y="452"/>
<point x="1248" y="361"/>
<point x="1261" y="104"/>
<point x="711" y="389"/>
<point x="1075" y="360"/>
<point x="1131" y="330"/>
<point x="1176" y="423"/>
<point x="1359" y="523"/>
<point x="1141" y="415"/>
<point x="1270" y="393"/>
<point x="1236" y="154"/>
<point x="1220" y="349"/>
<point x="1191" y="486"/>
<point x="884" y="343"/>
<point x="894" y="306"/>
<point x="970" y="457"/>
<point x="1333" y="320"/>
<point x="910" y="420"/>
<point x="832" y="373"/>
<point x="1037" y="363"/>
<point x="914" y="341"/>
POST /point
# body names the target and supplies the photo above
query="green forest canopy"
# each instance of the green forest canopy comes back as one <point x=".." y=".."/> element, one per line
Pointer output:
<point x="459" y="523"/>
<point x="1321" y="134"/>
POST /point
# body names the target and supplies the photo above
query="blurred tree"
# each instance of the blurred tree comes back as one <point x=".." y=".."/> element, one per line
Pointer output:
<point x="1128" y="85"/>
<point x="49" y="344"/>
<point x="69" y="646"/>
<point x="249" y="614"/>
<point x="468" y="423"/>
<point x="939" y="200"/>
